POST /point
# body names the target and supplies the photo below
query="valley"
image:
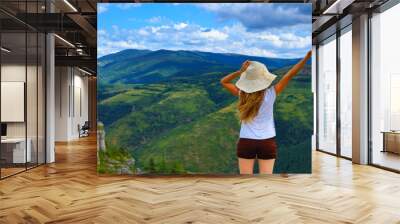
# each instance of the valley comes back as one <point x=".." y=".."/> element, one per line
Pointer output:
<point x="168" y="111"/>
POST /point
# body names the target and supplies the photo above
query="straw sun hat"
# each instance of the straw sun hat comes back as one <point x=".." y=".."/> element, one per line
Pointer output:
<point x="255" y="78"/>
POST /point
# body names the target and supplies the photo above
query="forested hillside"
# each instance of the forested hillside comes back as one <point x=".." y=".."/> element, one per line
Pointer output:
<point x="168" y="111"/>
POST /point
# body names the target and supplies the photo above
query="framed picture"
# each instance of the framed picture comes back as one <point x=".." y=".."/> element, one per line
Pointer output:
<point x="162" y="108"/>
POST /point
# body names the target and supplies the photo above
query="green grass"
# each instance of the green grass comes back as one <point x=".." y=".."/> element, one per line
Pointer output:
<point x="113" y="159"/>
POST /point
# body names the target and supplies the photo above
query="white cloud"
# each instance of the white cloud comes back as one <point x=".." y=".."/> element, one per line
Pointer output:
<point x="143" y="32"/>
<point x="262" y="16"/>
<point x="126" y="44"/>
<point x="155" y="19"/>
<point x="101" y="8"/>
<point x="274" y="39"/>
<point x="101" y="32"/>
<point x="188" y="36"/>
<point x="156" y="29"/>
<point x="180" y="26"/>
<point x="110" y="47"/>
<point x="286" y="40"/>
<point x="259" y="52"/>
<point x="213" y="35"/>
<point x="128" y="5"/>
<point x="294" y="41"/>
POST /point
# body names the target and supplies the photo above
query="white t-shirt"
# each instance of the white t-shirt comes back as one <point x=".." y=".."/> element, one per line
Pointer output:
<point x="262" y="126"/>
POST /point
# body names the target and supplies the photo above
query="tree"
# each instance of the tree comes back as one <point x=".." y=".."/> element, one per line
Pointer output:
<point x="151" y="165"/>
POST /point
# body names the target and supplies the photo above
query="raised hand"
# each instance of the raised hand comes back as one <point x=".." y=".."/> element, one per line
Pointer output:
<point x="245" y="65"/>
<point x="308" y="55"/>
<point x="226" y="81"/>
<point x="291" y="73"/>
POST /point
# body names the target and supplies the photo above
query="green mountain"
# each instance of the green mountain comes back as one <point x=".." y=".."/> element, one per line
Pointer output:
<point x="178" y="106"/>
<point x="144" y="66"/>
<point x="182" y="121"/>
<point x="206" y="145"/>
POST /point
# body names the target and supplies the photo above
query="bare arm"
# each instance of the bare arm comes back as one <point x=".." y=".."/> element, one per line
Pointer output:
<point x="280" y="86"/>
<point x="226" y="81"/>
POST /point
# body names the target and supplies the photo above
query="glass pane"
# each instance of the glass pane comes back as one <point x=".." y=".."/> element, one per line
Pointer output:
<point x="13" y="86"/>
<point x="327" y="96"/>
<point x="23" y="89"/>
<point x="31" y="88"/>
<point x="385" y="114"/>
<point x="346" y="94"/>
<point x="31" y="98"/>
<point x="41" y="99"/>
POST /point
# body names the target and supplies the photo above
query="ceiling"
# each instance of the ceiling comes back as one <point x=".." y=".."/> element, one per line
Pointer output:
<point x="75" y="22"/>
<point x="330" y="15"/>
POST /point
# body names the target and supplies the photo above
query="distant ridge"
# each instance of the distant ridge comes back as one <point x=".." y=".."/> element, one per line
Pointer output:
<point x="145" y="66"/>
<point x="125" y="51"/>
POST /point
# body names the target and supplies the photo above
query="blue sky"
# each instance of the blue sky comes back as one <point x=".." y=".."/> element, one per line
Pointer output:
<point x="259" y="29"/>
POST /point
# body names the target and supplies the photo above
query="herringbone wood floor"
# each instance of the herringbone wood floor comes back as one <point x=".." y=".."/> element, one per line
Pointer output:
<point x="70" y="191"/>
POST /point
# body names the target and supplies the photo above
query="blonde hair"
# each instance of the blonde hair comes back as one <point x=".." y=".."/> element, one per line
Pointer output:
<point x="249" y="104"/>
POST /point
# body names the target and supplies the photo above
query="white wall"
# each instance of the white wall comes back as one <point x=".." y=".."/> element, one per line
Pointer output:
<point x="80" y="110"/>
<point x="71" y="94"/>
<point x="12" y="73"/>
<point x="62" y="81"/>
<point x="33" y="126"/>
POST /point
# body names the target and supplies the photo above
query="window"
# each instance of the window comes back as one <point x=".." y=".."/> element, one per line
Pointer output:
<point x="327" y="96"/>
<point x="385" y="89"/>
<point x="346" y="92"/>
<point x="22" y="77"/>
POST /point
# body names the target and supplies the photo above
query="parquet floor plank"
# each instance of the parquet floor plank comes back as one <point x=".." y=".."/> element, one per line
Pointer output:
<point x="70" y="191"/>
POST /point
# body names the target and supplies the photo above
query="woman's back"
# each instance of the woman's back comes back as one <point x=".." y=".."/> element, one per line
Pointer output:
<point x="262" y="126"/>
<point x="256" y="111"/>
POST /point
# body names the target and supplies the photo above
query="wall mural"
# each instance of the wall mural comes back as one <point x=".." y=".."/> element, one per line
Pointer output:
<point x="161" y="106"/>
